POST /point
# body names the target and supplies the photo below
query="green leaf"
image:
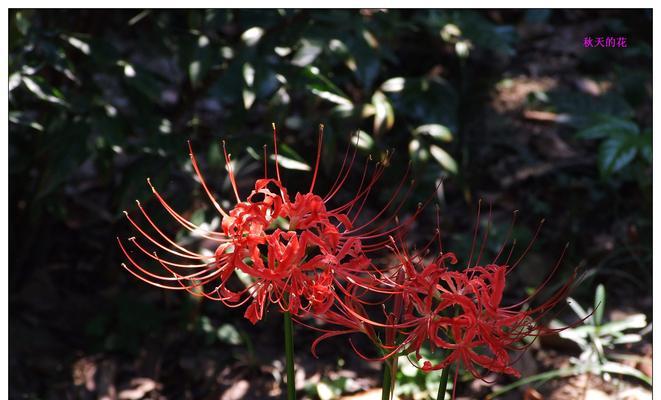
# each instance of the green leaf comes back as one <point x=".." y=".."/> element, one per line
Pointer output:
<point x="582" y="314"/>
<point x="325" y="391"/>
<point x="599" y="304"/>
<point x="393" y="85"/>
<point x="307" y="53"/>
<point x="228" y="334"/>
<point x="248" y="74"/>
<point x="635" y="321"/>
<point x="443" y="158"/>
<point x="645" y="145"/>
<point x="252" y="36"/>
<point x="545" y="376"/>
<point x="615" y="154"/>
<point x="384" y="116"/>
<point x="332" y="97"/>
<point x="201" y="62"/>
<point x="288" y="161"/>
<point x="417" y="152"/>
<point x="435" y="131"/>
<point x="42" y="90"/>
<point x="621" y="369"/>
<point x="316" y="80"/>
<point x="22" y="23"/>
<point x="609" y="127"/>
<point x="248" y="97"/>
<point x="20" y="118"/>
<point x="81" y="45"/>
<point x="362" y="140"/>
<point x="14" y="80"/>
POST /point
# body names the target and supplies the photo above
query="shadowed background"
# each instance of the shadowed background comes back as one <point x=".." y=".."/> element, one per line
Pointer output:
<point x="504" y="106"/>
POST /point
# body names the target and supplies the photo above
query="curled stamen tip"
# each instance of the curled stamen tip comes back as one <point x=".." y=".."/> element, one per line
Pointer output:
<point x="125" y="213"/>
<point x="273" y="125"/>
<point x="132" y="238"/>
<point x="321" y="126"/>
<point x="542" y="221"/>
<point x="138" y="203"/>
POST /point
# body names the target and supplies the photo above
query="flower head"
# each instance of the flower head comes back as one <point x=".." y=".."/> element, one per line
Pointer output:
<point x="294" y="250"/>
<point x="461" y="311"/>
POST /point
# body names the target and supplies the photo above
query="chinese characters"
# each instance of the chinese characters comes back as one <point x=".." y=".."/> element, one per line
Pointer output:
<point x="605" y="41"/>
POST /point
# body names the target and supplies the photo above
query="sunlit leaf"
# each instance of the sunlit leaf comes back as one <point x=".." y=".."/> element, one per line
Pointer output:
<point x="307" y="53"/>
<point x="435" y="131"/>
<point x="362" y="140"/>
<point x="201" y="62"/>
<point x="22" y="22"/>
<point x="332" y="97"/>
<point x="393" y="85"/>
<point x="228" y="334"/>
<point x="443" y="158"/>
<point x="20" y="118"/>
<point x="325" y="391"/>
<point x="41" y="89"/>
<point x="617" y="368"/>
<point x="316" y="80"/>
<point x="290" y="163"/>
<point x="248" y="74"/>
<point x="635" y="321"/>
<point x="384" y="116"/>
<point x="248" y="97"/>
<point x="14" y="80"/>
<point x="417" y="152"/>
<point x="251" y="36"/>
<point x="599" y="304"/>
<point x="79" y="44"/>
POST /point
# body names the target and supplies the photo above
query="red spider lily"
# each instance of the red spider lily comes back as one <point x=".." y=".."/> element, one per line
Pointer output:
<point x="461" y="311"/>
<point x="295" y="251"/>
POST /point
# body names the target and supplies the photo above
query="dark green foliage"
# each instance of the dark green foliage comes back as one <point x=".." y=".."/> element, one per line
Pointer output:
<point x="100" y="100"/>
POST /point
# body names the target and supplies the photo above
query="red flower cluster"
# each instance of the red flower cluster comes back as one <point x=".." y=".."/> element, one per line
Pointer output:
<point x="313" y="260"/>
<point x="294" y="251"/>
<point x="457" y="311"/>
<point x="462" y="313"/>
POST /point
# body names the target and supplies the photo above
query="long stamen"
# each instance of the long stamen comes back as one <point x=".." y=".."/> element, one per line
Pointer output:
<point x="204" y="184"/>
<point x="230" y="170"/>
<point x="275" y="152"/>
<point x="316" y="164"/>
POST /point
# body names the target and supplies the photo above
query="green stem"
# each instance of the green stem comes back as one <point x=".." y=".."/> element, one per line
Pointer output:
<point x="443" y="384"/>
<point x="387" y="380"/>
<point x="289" y="350"/>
